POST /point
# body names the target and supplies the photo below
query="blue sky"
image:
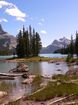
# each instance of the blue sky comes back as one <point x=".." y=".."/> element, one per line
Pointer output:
<point x="53" y="19"/>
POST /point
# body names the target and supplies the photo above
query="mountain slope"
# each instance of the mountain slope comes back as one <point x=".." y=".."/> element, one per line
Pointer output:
<point x="56" y="44"/>
<point x="6" y="40"/>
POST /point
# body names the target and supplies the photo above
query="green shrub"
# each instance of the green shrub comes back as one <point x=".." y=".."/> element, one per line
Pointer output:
<point x="61" y="77"/>
<point x="36" y="82"/>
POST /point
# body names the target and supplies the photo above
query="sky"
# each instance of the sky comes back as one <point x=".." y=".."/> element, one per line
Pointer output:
<point x="52" y="19"/>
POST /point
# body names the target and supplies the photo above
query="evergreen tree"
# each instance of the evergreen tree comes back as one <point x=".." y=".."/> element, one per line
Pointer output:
<point x="71" y="47"/>
<point x="76" y="44"/>
<point x="20" y="45"/>
<point x="26" y="43"/>
<point x="30" y="40"/>
<point x="33" y="42"/>
<point x="38" y="44"/>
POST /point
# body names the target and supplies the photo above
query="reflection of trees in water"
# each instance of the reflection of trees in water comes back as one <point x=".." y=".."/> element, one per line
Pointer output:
<point x="7" y="86"/>
<point x="35" y="68"/>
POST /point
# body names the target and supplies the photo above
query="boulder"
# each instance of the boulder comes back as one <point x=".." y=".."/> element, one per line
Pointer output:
<point x="25" y="76"/>
<point x="2" y="94"/>
<point x="21" y="67"/>
<point x="29" y="79"/>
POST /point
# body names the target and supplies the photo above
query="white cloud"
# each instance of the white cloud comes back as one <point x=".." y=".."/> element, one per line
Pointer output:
<point x="21" y="19"/>
<point x="43" y="32"/>
<point x="4" y="3"/>
<point x="13" y="10"/>
<point x="39" y="23"/>
<point x="0" y="6"/>
<point x="3" y="20"/>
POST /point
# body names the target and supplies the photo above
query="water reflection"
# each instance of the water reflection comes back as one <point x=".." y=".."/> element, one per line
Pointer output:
<point x="35" y="68"/>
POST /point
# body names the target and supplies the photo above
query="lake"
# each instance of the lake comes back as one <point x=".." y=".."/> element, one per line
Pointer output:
<point x="42" y="55"/>
<point x="42" y="68"/>
<point x="53" y="55"/>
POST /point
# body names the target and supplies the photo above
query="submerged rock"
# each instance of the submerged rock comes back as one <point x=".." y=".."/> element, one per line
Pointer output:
<point x="59" y="70"/>
<point x="52" y="61"/>
<point x="57" y="63"/>
<point x="72" y="72"/>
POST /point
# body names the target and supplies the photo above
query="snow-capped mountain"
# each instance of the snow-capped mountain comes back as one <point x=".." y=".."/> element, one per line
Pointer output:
<point x="56" y="44"/>
<point x="62" y="42"/>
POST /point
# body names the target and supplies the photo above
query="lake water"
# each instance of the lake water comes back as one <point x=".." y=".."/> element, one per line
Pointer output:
<point x="42" y="55"/>
<point x="42" y="68"/>
<point x="53" y="55"/>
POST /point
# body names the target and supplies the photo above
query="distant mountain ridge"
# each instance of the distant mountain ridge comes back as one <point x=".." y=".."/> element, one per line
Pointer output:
<point x="6" y="40"/>
<point x="56" y="44"/>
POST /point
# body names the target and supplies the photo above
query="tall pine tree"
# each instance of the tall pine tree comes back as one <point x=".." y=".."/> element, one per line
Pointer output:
<point x="71" y="47"/>
<point x="38" y="45"/>
<point x="20" y="45"/>
<point x="26" y="43"/>
<point x="76" y="44"/>
<point x="30" y="40"/>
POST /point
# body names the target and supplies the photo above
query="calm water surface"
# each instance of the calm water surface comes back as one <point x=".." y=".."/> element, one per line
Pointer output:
<point x="42" y="68"/>
<point x="54" y="55"/>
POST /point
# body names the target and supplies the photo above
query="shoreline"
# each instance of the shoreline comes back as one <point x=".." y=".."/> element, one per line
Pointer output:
<point x="34" y="59"/>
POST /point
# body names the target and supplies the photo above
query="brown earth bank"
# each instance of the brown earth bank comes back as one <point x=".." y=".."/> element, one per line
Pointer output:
<point x="35" y="59"/>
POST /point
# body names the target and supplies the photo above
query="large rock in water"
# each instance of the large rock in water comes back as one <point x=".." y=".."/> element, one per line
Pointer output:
<point x="72" y="72"/>
<point x="21" y="68"/>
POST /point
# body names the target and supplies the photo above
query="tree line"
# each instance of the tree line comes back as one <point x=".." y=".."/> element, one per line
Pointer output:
<point x="28" y="43"/>
<point x="71" y="49"/>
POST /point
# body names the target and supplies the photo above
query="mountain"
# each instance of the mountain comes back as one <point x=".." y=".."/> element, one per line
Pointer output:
<point x="56" y="44"/>
<point x="6" y="40"/>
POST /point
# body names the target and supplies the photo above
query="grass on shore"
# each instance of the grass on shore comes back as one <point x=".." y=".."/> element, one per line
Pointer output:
<point x="61" y="77"/>
<point x="35" y="59"/>
<point x="5" y="86"/>
<point x="36" y="82"/>
<point x="62" y="87"/>
<point x="53" y="89"/>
